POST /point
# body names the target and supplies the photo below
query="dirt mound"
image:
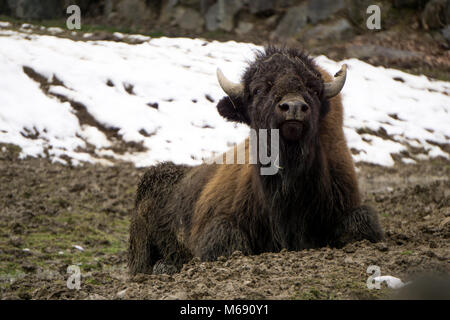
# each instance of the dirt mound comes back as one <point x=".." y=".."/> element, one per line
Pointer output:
<point x="54" y="216"/>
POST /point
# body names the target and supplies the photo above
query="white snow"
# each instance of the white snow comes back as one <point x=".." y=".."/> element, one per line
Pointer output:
<point x="55" y="30"/>
<point x="178" y="74"/>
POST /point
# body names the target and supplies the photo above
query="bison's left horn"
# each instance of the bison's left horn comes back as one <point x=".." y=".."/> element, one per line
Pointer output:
<point x="232" y="89"/>
<point x="334" y="87"/>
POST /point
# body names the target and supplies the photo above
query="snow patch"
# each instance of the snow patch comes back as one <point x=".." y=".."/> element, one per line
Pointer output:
<point x="159" y="94"/>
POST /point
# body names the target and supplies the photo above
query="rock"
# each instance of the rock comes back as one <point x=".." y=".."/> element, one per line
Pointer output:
<point x="121" y="294"/>
<point x="409" y="3"/>
<point x="36" y="9"/>
<point x="348" y="260"/>
<point x="108" y="9"/>
<point x="244" y="27"/>
<point x="434" y="15"/>
<point x="139" y="278"/>
<point x="444" y="222"/>
<point x="382" y="246"/>
<point x="260" y="6"/>
<point x="133" y="11"/>
<point x="319" y="10"/>
<point x="447" y="212"/>
<point x="28" y="267"/>
<point x="189" y="19"/>
<point x="286" y="3"/>
<point x="356" y="11"/>
<point x="271" y="22"/>
<point x="368" y="51"/>
<point x="349" y="248"/>
<point x="167" y="11"/>
<point x="180" y="295"/>
<point x="292" y="22"/>
<point x="221" y="14"/>
<point x="15" y="241"/>
<point x="95" y="296"/>
<point x="337" y="30"/>
<point x="236" y="254"/>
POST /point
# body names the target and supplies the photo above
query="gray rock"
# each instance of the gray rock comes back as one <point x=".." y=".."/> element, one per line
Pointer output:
<point x="108" y="8"/>
<point x="134" y="11"/>
<point x="337" y="30"/>
<point x="368" y="51"/>
<point x="258" y="6"/>
<point x="212" y="18"/>
<point x="292" y="22"/>
<point x="434" y="14"/>
<point x="189" y="19"/>
<point x="244" y="27"/>
<point x="271" y="22"/>
<point x="446" y="32"/>
<point x="319" y="10"/>
<point x="167" y="10"/>
<point x="356" y="11"/>
<point x="221" y="14"/>
<point x="179" y="295"/>
<point x="36" y="9"/>
<point x="286" y="3"/>
<point x="409" y="3"/>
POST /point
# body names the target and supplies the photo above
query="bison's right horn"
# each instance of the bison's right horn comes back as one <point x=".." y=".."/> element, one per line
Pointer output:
<point x="334" y="87"/>
<point x="232" y="89"/>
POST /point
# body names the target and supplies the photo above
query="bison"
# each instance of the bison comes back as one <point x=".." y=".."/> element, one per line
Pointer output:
<point x="212" y="210"/>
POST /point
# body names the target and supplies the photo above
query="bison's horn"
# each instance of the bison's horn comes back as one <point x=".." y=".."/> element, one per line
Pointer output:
<point x="232" y="89"/>
<point x="334" y="87"/>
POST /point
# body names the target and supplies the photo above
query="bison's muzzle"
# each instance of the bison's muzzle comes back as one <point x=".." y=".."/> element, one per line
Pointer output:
<point x="294" y="112"/>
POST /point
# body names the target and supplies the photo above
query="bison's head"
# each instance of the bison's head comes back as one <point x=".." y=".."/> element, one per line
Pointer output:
<point x="282" y="89"/>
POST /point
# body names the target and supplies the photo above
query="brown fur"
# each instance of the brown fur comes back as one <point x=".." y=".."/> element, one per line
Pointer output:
<point x="212" y="210"/>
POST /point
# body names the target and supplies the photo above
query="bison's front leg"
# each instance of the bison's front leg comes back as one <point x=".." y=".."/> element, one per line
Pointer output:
<point x="219" y="238"/>
<point x="361" y="223"/>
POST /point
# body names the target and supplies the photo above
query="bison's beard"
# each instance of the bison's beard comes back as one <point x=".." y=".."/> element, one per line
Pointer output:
<point x="292" y="130"/>
<point x="300" y="154"/>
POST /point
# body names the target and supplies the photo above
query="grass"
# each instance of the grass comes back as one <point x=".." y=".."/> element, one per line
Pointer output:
<point x="51" y="243"/>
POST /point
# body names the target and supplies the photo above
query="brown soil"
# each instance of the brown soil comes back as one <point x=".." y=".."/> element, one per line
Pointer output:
<point x="48" y="208"/>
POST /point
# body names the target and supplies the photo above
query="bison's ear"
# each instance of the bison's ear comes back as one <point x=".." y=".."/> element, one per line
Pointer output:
<point x="233" y="110"/>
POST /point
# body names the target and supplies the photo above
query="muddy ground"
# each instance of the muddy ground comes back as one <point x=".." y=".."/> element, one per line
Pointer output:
<point x="46" y="209"/>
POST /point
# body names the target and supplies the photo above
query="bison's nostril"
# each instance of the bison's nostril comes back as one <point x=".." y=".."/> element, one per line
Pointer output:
<point x="284" y="107"/>
<point x="305" y="108"/>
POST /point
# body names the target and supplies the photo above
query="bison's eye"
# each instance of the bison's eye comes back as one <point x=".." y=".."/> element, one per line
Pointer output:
<point x="258" y="91"/>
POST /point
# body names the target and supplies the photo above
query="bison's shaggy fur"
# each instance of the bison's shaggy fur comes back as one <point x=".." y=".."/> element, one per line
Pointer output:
<point x="212" y="210"/>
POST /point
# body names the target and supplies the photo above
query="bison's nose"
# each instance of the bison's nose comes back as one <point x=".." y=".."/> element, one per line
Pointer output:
<point x="294" y="109"/>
